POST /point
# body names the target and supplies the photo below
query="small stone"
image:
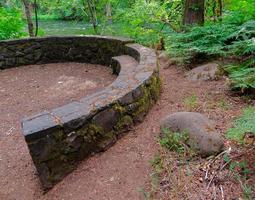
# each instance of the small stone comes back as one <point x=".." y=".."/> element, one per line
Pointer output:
<point x="207" y="72"/>
<point x="201" y="131"/>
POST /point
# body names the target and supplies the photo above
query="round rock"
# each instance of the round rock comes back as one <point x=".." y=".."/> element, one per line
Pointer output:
<point x="201" y="131"/>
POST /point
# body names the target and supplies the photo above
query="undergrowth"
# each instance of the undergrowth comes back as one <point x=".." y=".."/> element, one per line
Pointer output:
<point x="218" y="40"/>
<point x="174" y="141"/>
<point x="244" y="127"/>
<point x="242" y="172"/>
<point x="177" y="142"/>
<point x="199" y="42"/>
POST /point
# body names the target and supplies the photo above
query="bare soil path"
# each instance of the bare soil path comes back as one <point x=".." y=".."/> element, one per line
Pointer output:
<point x="120" y="172"/>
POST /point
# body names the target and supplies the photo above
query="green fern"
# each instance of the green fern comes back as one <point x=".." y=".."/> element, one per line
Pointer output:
<point x="204" y="41"/>
<point x="242" y="125"/>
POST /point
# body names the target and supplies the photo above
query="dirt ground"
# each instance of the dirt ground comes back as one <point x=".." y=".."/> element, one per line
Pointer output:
<point x="28" y="90"/>
<point x="124" y="170"/>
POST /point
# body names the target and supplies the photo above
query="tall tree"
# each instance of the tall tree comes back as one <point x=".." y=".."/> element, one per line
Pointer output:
<point x="194" y="11"/>
<point x="30" y="25"/>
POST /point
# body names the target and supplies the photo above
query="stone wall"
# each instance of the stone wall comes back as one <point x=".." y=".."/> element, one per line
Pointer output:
<point x="89" y="49"/>
<point x="60" y="138"/>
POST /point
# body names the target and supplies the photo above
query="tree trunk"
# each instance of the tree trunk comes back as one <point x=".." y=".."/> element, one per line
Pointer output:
<point x="108" y="9"/>
<point x="220" y="10"/>
<point x="194" y="12"/>
<point x="30" y="25"/>
<point x="36" y="18"/>
<point x="92" y="14"/>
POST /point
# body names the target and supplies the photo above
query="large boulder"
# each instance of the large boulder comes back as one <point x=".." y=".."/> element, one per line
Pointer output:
<point x="201" y="131"/>
<point x="207" y="72"/>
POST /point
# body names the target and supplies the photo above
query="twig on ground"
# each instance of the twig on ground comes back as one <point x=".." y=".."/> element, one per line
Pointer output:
<point x="222" y="192"/>
<point x="9" y="132"/>
<point x="206" y="174"/>
<point x="219" y="155"/>
<point x="214" y="192"/>
<point x="213" y="160"/>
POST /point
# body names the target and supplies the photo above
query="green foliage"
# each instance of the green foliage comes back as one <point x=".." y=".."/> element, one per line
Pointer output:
<point x="243" y="9"/>
<point x="143" y="21"/>
<point x="174" y="141"/>
<point x="243" y="125"/>
<point x="61" y="9"/>
<point x="11" y="24"/>
<point x="199" y="42"/>
<point x="242" y="75"/>
<point x="243" y="40"/>
<point x="139" y="20"/>
<point x="76" y="9"/>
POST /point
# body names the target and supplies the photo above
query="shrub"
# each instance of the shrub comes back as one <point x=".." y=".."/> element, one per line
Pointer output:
<point x="11" y="24"/>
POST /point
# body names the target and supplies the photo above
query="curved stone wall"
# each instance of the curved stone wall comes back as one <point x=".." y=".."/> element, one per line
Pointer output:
<point x="89" y="49"/>
<point x="60" y="138"/>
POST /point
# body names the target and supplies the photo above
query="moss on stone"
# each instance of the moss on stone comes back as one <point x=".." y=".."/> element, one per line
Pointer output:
<point x="59" y="135"/>
<point x="58" y="168"/>
<point x="143" y="104"/>
<point x="150" y="94"/>
<point x="124" y="123"/>
<point x="105" y="141"/>
<point x="118" y="108"/>
<point x="95" y="139"/>
<point x="91" y="132"/>
<point x="155" y="87"/>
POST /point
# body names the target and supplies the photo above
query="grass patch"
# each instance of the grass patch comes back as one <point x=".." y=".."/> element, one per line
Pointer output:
<point x="191" y="102"/>
<point x="243" y="125"/>
<point x="223" y="104"/>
